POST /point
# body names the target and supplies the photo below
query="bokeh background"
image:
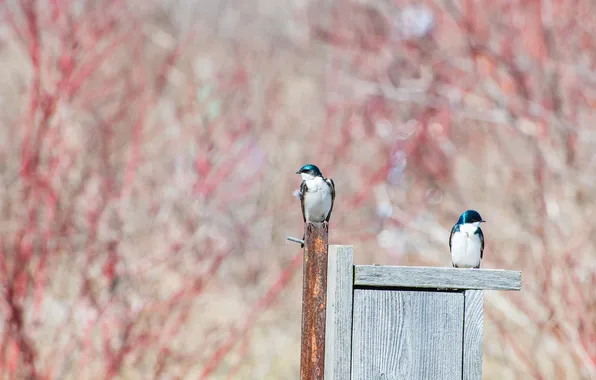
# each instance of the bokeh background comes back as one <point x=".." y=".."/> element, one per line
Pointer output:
<point x="147" y="159"/>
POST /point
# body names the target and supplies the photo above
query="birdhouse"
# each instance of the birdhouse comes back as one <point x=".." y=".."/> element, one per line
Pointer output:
<point x="410" y="323"/>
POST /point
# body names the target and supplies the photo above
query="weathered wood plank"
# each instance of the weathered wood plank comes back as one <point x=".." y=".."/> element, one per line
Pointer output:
<point x="436" y="278"/>
<point x="473" y="330"/>
<point x="407" y="335"/>
<point x="338" y="339"/>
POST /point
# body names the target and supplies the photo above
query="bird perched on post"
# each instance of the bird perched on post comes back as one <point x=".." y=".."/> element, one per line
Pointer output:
<point x="466" y="241"/>
<point x="317" y="195"/>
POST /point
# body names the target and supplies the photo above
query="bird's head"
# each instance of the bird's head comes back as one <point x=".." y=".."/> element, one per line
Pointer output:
<point x="470" y="216"/>
<point x="309" y="171"/>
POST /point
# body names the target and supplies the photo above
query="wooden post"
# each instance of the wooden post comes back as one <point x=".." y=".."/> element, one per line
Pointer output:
<point x="314" y="301"/>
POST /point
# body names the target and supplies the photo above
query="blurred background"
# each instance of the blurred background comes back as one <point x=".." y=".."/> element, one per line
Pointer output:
<point x="147" y="160"/>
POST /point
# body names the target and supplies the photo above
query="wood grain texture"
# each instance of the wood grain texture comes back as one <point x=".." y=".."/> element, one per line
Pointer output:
<point x="436" y="278"/>
<point x="338" y="333"/>
<point x="407" y="335"/>
<point x="473" y="330"/>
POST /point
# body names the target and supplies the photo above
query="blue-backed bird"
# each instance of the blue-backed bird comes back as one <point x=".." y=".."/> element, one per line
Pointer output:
<point x="317" y="195"/>
<point x="466" y="241"/>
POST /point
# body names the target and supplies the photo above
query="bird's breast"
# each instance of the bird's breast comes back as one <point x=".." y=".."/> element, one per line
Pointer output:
<point x="469" y="229"/>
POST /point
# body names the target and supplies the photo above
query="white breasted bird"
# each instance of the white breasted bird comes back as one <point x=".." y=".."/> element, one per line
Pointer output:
<point x="317" y="195"/>
<point x="466" y="241"/>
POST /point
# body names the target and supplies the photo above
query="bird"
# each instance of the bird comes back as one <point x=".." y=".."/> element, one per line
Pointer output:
<point x="317" y="195"/>
<point x="466" y="241"/>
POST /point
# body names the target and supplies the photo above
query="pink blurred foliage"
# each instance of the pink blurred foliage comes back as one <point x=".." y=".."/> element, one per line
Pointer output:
<point x="88" y="71"/>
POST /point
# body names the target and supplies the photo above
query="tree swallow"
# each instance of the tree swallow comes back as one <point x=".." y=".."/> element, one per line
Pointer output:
<point x="317" y="195"/>
<point x="466" y="241"/>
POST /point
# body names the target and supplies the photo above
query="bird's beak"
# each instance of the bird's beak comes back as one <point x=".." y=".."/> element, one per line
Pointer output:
<point x="298" y="172"/>
<point x="483" y="221"/>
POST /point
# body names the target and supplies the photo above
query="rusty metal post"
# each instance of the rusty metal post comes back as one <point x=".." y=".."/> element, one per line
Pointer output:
<point x="314" y="301"/>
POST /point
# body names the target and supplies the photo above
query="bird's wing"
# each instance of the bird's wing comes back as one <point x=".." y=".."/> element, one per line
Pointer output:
<point x="481" y="235"/>
<point x="453" y="230"/>
<point x="332" y="186"/>
<point x="303" y="189"/>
